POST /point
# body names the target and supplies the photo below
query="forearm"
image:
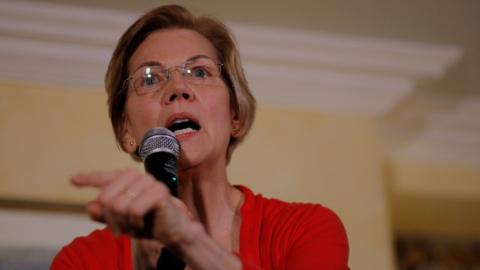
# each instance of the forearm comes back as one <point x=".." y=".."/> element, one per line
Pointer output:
<point x="201" y="252"/>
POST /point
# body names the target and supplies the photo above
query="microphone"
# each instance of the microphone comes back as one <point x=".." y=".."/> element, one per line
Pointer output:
<point x="159" y="150"/>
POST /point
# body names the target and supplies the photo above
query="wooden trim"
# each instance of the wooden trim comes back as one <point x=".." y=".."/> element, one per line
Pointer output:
<point x="43" y="206"/>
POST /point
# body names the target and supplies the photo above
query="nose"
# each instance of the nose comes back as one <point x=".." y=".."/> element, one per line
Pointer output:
<point x="180" y="95"/>
<point x="177" y="89"/>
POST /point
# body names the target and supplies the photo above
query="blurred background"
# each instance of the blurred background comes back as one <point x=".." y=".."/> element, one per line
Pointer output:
<point x="371" y="108"/>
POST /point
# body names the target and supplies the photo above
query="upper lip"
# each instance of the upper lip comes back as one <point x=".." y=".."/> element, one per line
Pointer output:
<point x="182" y="115"/>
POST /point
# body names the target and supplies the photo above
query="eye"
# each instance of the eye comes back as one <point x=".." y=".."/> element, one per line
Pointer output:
<point x="200" y="72"/>
<point x="150" y="80"/>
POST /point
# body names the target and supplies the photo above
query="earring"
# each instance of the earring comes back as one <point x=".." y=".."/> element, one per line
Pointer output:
<point x="235" y="131"/>
<point x="131" y="143"/>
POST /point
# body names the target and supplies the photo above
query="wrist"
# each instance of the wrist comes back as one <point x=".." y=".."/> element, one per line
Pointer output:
<point x="200" y="251"/>
<point x="190" y="236"/>
<point x="186" y="242"/>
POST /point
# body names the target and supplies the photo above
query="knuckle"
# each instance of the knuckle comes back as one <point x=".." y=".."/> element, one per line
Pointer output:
<point x="117" y="207"/>
<point x="103" y="199"/>
<point x="150" y="178"/>
<point x="135" y="211"/>
<point x="161" y="189"/>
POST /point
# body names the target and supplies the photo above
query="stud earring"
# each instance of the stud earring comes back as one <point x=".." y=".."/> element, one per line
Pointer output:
<point x="131" y="143"/>
<point x="235" y="131"/>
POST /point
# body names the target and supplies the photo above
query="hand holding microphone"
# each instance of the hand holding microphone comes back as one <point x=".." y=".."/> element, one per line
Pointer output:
<point x="126" y="197"/>
<point x="159" y="151"/>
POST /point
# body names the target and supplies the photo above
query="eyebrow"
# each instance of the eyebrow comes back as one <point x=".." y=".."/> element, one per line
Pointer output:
<point x="159" y="64"/>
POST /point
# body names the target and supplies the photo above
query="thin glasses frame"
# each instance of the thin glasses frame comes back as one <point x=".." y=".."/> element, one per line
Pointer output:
<point x="187" y="70"/>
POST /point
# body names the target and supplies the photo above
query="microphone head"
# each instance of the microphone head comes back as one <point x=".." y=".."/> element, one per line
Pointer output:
<point x="158" y="140"/>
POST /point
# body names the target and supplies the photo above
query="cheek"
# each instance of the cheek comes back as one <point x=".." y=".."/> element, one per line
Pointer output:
<point x="141" y="117"/>
<point x="219" y="109"/>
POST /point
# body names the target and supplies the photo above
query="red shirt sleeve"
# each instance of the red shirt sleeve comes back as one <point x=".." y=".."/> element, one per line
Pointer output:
<point x="311" y="239"/>
<point x="277" y="235"/>
<point x="100" y="250"/>
<point x="320" y="242"/>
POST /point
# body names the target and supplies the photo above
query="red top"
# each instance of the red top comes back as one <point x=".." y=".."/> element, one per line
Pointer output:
<point x="274" y="235"/>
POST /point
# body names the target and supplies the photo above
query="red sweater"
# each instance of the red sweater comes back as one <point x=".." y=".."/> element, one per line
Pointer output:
<point x="274" y="235"/>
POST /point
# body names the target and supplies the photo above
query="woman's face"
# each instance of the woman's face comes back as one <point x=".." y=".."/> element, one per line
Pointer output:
<point x="198" y="112"/>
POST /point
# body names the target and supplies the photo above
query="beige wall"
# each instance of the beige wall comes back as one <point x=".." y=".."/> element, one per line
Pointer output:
<point x="291" y="154"/>
<point x="326" y="158"/>
<point x="48" y="134"/>
<point x="436" y="199"/>
<point x="443" y="179"/>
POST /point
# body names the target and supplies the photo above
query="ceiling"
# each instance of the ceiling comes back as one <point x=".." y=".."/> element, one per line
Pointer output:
<point x="452" y="22"/>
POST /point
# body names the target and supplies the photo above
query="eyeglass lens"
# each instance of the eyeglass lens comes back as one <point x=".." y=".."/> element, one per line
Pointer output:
<point x="199" y="72"/>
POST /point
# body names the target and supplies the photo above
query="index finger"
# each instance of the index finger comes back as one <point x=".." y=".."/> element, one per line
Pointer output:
<point x="93" y="179"/>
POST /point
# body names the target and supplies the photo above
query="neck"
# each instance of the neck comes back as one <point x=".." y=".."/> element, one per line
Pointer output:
<point x="213" y="201"/>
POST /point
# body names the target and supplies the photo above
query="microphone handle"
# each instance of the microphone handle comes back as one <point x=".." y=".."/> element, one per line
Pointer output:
<point x="168" y="260"/>
<point x="167" y="175"/>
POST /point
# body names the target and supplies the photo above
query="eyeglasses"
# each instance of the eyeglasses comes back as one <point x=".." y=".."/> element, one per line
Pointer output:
<point x="200" y="71"/>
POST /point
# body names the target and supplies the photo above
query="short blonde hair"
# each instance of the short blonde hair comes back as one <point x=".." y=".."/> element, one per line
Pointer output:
<point x="242" y="102"/>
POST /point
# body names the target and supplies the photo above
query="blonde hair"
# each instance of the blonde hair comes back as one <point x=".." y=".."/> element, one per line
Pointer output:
<point x="242" y="102"/>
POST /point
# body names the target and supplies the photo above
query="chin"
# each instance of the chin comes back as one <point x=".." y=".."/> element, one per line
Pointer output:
<point x="188" y="160"/>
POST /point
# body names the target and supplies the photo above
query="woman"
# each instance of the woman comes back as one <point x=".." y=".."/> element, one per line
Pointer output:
<point x="174" y="70"/>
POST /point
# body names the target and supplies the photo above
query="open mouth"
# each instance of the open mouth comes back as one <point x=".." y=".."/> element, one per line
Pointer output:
<point x="182" y="126"/>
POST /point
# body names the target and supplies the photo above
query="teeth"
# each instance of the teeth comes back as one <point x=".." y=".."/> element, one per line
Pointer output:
<point x="183" y="131"/>
<point x="180" y="121"/>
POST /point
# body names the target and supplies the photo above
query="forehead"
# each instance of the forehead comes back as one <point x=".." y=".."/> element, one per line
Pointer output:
<point x="171" y="47"/>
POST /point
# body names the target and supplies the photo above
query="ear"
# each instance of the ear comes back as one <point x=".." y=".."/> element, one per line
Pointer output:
<point x="236" y="128"/>
<point x="128" y="141"/>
